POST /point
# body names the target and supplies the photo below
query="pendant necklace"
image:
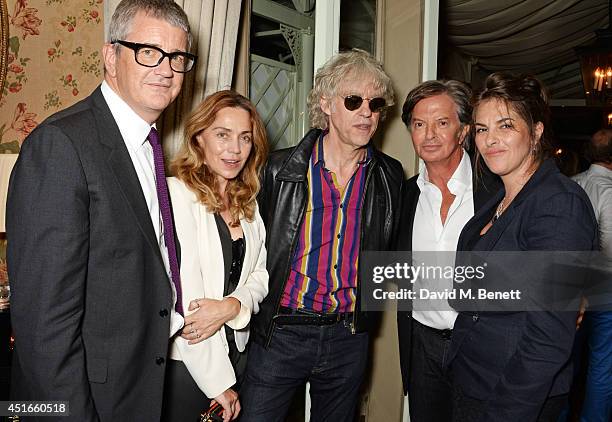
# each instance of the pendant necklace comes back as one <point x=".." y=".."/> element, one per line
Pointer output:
<point x="499" y="210"/>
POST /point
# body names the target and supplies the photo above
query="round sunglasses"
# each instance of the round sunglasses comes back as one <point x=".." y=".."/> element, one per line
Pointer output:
<point x="353" y="102"/>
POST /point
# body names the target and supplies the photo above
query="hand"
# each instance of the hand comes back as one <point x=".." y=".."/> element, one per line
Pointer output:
<point x="583" y="305"/>
<point x="208" y="318"/>
<point x="4" y="303"/>
<point x="230" y="403"/>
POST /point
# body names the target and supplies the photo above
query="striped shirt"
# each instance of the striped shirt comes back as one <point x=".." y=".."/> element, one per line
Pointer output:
<point x="323" y="275"/>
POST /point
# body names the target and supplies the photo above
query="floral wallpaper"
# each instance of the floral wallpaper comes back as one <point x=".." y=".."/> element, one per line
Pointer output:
<point x="54" y="61"/>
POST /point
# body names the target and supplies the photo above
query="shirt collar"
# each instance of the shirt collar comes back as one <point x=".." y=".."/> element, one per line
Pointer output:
<point x="598" y="170"/>
<point x="460" y="181"/>
<point x="318" y="157"/>
<point x="134" y="129"/>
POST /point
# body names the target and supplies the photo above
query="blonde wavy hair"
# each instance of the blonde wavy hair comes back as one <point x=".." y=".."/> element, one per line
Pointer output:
<point x="189" y="165"/>
<point x="341" y="69"/>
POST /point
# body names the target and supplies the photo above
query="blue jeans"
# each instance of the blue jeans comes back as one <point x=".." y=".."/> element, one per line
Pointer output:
<point x="598" y="392"/>
<point x="331" y="358"/>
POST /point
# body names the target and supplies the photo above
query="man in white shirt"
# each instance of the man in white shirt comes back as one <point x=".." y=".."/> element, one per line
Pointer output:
<point x="437" y="203"/>
<point x="597" y="182"/>
<point x="90" y="257"/>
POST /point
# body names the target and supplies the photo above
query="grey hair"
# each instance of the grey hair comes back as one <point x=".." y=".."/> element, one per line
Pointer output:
<point x="167" y="10"/>
<point x="343" y="66"/>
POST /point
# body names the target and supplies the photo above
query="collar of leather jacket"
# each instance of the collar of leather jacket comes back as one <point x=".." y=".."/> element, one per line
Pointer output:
<point x="295" y="166"/>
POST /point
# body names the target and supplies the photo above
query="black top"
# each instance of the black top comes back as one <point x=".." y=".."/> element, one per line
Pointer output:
<point x="233" y="256"/>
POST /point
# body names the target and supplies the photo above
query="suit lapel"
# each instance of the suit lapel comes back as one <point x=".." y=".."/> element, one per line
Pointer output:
<point x="411" y="195"/>
<point x="488" y="242"/>
<point x="122" y="167"/>
<point x="211" y="254"/>
<point x="486" y="188"/>
<point x="470" y="234"/>
<point x="485" y="184"/>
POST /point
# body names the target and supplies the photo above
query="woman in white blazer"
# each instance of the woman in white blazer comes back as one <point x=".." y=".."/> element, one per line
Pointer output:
<point x="223" y="257"/>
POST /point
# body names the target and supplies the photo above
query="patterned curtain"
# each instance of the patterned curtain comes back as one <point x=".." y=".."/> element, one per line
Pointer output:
<point x="52" y="61"/>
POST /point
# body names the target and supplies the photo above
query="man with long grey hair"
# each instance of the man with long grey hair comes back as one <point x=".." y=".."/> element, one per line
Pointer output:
<point x="323" y="202"/>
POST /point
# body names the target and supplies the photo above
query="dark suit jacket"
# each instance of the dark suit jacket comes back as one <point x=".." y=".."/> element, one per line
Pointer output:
<point x="90" y="293"/>
<point x="515" y="360"/>
<point x="485" y="186"/>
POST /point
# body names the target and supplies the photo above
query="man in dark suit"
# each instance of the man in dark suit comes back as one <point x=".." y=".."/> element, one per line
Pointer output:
<point x="91" y="261"/>
<point x="437" y="203"/>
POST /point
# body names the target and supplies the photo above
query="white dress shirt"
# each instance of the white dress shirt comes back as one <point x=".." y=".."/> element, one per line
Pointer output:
<point x="135" y="131"/>
<point x="597" y="183"/>
<point x="429" y="235"/>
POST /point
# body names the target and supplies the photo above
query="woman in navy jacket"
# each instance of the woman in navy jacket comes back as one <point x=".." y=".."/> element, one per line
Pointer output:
<point x="515" y="365"/>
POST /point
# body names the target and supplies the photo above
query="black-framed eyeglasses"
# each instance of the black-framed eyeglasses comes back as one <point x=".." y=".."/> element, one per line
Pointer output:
<point x="151" y="56"/>
<point x="353" y="102"/>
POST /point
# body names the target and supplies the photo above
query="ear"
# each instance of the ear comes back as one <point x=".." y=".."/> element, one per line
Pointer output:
<point x="199" y="140"/>
<point x="110" y="58"/>
<point x="464" y="133"/>
<point x="539" y="130"/>
<point x="325" y="105"/>
<point x="198" y="146"/>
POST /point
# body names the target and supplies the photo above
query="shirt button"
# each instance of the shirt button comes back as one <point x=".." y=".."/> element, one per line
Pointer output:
<point x="159" y="360"/>
<point x="341" y="205"/>
<point x="338" y="236"/>
<point x="335" y="266"/>
<point x="475" y="317"/>
<point x="163" y="312"/>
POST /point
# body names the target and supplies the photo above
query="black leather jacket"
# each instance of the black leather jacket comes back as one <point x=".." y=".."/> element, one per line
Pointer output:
<point x="282" y="203"/>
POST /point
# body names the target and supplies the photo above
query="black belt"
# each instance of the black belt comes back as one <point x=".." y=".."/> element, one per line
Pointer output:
<point x="445" y="334"/>
<point x="288" y="316"/>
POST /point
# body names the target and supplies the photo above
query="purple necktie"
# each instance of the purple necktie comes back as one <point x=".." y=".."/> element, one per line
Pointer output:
<point x="166" y="213"/>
